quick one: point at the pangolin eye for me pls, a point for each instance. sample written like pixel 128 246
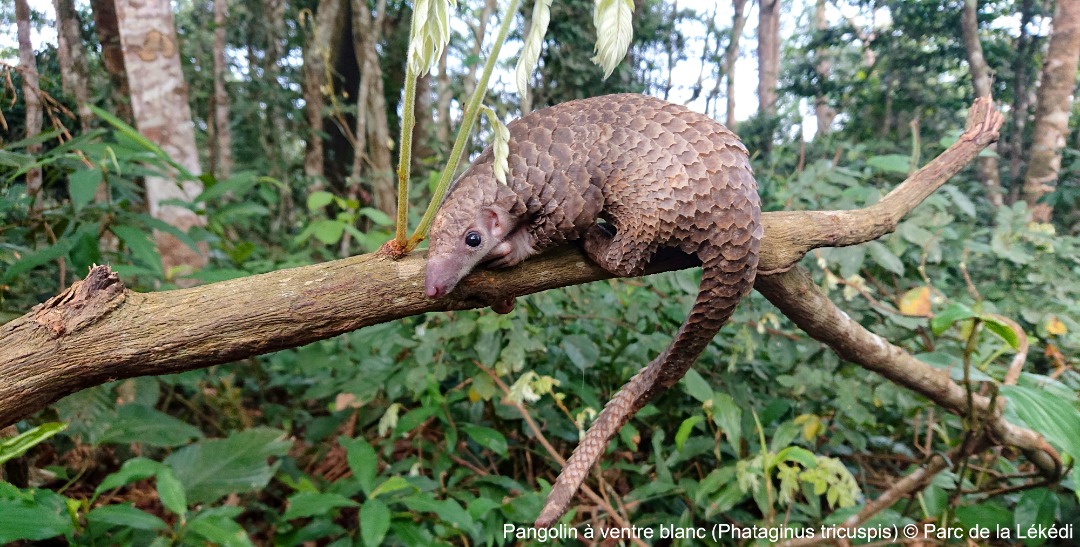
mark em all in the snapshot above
pixel 472 239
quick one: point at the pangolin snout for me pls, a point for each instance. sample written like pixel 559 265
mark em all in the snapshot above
pixel 439 278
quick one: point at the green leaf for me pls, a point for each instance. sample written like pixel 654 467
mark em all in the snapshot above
pixel 82 186
pixel 141 424
pixel 135 469
pixel 696 386
pixel 213 468
pixel 318 200
pixel 885 258
pixel 24 519
pixel 141 245
pixel 448 510
pixel 363 462
pixel 126 516
pixel 392 484
pixel 685 429
pixel 236 184
pixel 1041 410
pixel 728 416
pixel 950 315
pixel 309 504
pixel 962 202
pixel 18 445
pixel 219 529
pixel 170 491
pixel 581 350
pixel 890 163
pixel 374 522
pixel 376 216
pixel 487 438
pixel 1003 330
pixel 799 455
pixel 328 231
pixel 1036 507
pixel 37 258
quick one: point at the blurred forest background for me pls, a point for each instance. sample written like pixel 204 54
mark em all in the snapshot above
pixel 191 142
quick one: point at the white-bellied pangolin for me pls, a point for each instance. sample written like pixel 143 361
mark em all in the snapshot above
pixel 660 175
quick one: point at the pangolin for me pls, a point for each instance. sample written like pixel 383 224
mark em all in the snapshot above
pixel 627 175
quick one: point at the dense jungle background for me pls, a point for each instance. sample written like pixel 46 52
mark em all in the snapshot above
pixel 185 143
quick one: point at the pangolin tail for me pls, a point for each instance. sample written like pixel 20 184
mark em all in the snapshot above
pixel 723 284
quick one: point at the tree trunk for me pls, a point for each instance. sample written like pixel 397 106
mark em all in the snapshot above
pixel 1020 107
pixel 1053 108
pixel 981 80
pixel 74 69
pixel 768 55
pixel 221 156
pixel 112 57
pixel 731 56
pixel 478 31
pixel 159 101
pixel 29 74
pixel 823 111
pixel 444 95
pixel 318 58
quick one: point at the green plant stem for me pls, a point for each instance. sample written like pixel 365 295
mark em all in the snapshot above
pixel 408 120
pixel 472 111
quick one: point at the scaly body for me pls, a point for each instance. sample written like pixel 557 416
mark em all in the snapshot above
pixel 659 176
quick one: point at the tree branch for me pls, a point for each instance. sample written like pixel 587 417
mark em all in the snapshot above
pixel 98 331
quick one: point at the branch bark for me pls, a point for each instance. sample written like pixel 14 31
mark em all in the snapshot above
pixel 98 331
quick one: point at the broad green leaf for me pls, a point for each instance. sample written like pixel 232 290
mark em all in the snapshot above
pixel 1036 508
pixel 448 510
pixel 318 200
pixel 140 244
pixel 328 231
pixel 237 184
pixel 219 529
pixel 728 416
pixel 211 469
pixel 685 428
pixel 392 484
pixel 885 258
pixel 126 516
pixel 799 455
pixel 24 519
pixel 171 491
pixel 581 350
pixel 947 317
pixel 309 504
pixel 487 438
pixel 374 522
pixel 890 163
pixel 1043 411
pixel 363 461
pixel 135 469
pixel 696 386
pixel 82 185
pixel 376 216
pixel 16 446
pixel 1002 329
pixel 141 424
pixel 37 258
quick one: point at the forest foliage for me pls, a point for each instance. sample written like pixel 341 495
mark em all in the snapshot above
pixel 432 429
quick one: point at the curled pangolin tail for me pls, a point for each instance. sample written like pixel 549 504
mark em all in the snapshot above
pixel 723 284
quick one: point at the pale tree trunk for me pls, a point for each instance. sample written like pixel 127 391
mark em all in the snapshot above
pixel 423 130
pixel 1019 109
pixel 221 156
pixel 372 129
pixel 731 56
pixel 823 111
pixel 112 57
pixel 768 51
pixel 318 57
pixel 29 74
pixel 159 101
pixel 1053 108
pixel 980 79
pixel 74 69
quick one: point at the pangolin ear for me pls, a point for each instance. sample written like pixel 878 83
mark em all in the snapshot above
pixel 497 221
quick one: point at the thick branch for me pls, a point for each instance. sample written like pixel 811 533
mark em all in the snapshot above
pixel 97 331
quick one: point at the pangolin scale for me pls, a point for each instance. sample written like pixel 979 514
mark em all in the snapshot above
pixel 659 176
